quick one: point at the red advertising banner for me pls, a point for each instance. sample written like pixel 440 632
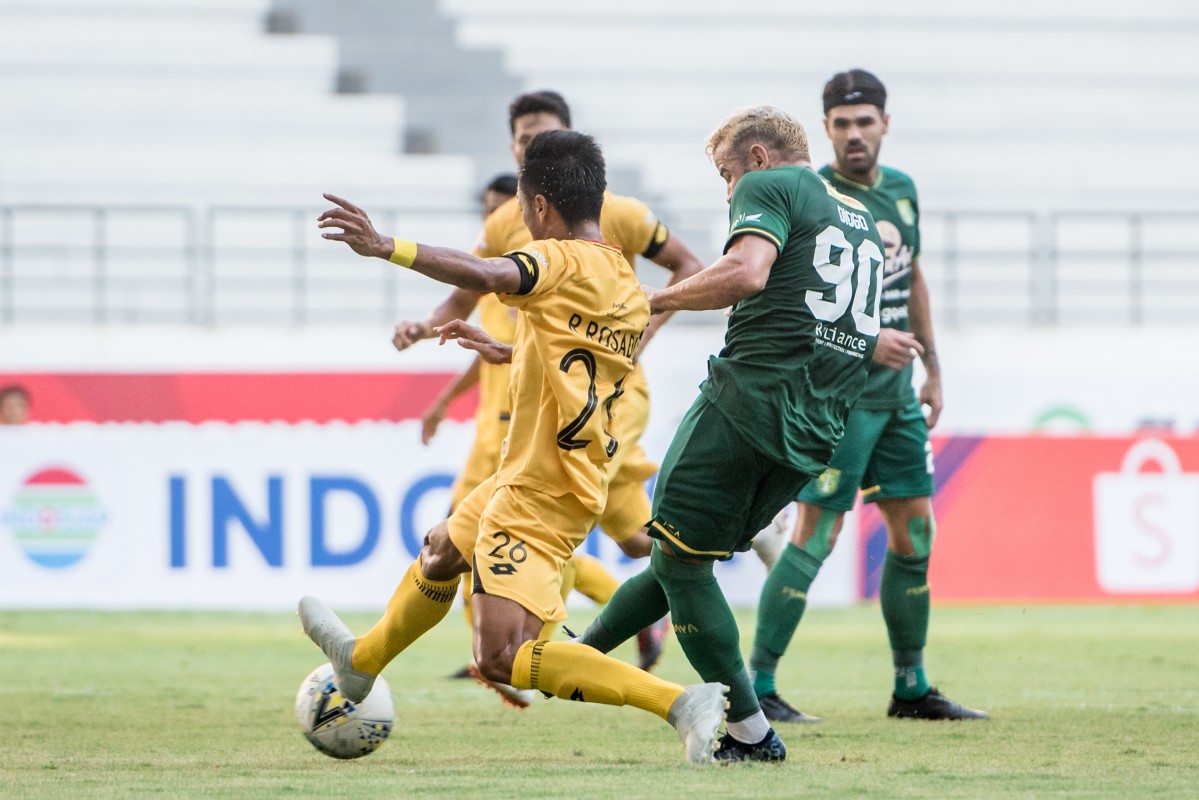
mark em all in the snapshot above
pixel 1046 518
pixel 235 396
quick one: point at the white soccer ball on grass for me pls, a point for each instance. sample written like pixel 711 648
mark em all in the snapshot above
pixel 337 727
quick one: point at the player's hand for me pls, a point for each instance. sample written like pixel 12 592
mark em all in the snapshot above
pixel 429 422
pixel 896 349
pixel 930 395
pixel 409 333
pixel 352 226
pixel 649 294
pixel 473 338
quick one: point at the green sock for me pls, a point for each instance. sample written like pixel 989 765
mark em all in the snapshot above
pixel 910 681
pixel 705 627
pixel 781 607
pixel 904 596
pixel 638 602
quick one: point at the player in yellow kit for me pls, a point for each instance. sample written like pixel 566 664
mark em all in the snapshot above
pixel 582 316
pixel 582 573
pixel 625 222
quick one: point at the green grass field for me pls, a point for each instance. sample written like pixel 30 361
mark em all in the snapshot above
pixel 1086 702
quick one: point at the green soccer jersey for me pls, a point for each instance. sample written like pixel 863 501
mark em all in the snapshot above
pixel 795 354
pixel 892 203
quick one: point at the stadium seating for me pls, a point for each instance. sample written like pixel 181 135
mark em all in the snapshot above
pixel 1011 112
pixel 166 124
pixel 1007 116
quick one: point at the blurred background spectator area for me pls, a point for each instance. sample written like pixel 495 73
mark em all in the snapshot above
pixel 163 162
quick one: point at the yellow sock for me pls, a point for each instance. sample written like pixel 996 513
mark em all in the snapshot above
pixel 592 580
pixel 417 605
pixel 575 671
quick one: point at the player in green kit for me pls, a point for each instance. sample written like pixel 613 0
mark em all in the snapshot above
pixel 885 449
pixel 802 270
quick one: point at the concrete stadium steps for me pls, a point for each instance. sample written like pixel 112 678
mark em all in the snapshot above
pixel 923 13
pixel 667 107
pixel 192 103
pixel 456 98
pixel 164 162
pixel 1002 172
pixel 177 48
pixel 240 13
pixel 59 116
pixel 1030 104
pixel 707 50
pixel 201 176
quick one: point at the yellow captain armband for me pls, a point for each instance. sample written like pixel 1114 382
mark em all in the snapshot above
pixel 405 253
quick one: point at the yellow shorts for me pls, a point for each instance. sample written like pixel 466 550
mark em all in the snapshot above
pixel 521 540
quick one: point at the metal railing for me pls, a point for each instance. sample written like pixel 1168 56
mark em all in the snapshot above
pixel 223 265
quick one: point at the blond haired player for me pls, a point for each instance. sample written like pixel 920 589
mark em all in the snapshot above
pixel 629 224
pixel 582 315
pixel 801 269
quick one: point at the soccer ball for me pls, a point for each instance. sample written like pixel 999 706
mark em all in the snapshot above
pixel 337 727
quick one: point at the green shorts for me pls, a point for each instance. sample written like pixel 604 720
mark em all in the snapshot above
pixel 715 491
pixel 885 453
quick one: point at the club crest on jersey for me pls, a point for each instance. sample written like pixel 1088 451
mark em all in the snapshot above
pixel 828 481
pixel 907 211
pixel 742 218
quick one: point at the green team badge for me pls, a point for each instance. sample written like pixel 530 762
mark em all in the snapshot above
pixel 828 481
pixel 904 207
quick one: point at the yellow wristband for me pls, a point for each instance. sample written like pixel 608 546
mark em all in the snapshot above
pixel 405 253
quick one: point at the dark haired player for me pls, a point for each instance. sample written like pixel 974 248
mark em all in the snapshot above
pixel 628 224
pixel 582 315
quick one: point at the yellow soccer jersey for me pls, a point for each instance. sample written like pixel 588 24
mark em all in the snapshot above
pixel 624 221
pixel 582 316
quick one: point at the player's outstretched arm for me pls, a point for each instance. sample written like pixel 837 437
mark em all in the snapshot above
pixel 350 224
pixel 472 338
pixel 921 321
pixel 739 273
pixel 682 263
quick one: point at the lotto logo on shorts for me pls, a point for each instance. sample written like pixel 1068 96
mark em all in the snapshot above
pixel 828 481
pixel 502 569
